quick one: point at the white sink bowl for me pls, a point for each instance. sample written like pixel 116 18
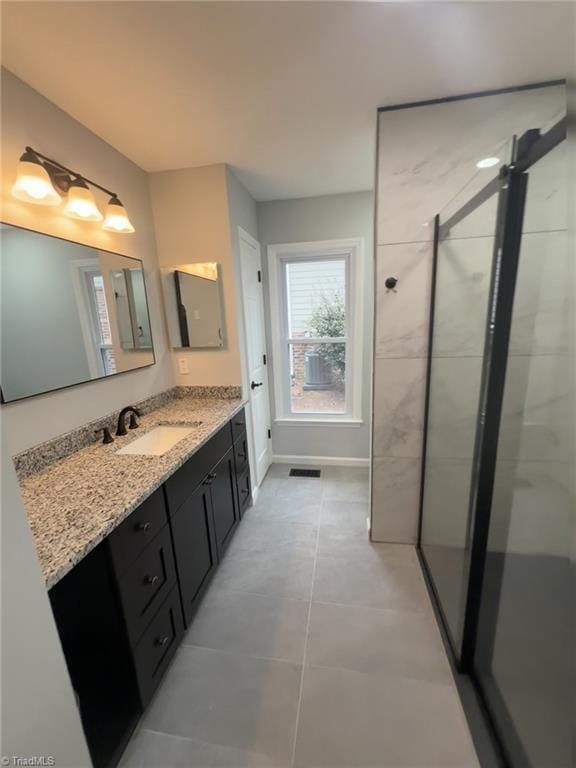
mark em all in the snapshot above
pixel 159 440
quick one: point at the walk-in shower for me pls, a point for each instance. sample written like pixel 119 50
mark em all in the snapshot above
pixel 496 520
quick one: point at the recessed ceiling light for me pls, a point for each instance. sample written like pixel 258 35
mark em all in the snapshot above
pixel 487 162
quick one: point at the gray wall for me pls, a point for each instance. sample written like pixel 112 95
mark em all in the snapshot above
pixel 192 225
pixel 306 220
pixel 39 714
pixel 30 119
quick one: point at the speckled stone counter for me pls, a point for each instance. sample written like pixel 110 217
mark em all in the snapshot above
pixel 74 503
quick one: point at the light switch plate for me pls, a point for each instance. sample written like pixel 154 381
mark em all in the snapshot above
pixel 182 365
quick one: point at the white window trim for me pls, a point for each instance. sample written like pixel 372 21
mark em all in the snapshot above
pixel 353 249
pixel 78 270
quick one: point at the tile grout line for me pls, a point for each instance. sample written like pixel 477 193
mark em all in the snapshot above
pixel 307 636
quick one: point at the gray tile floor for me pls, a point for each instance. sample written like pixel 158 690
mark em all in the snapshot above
pixel 312 647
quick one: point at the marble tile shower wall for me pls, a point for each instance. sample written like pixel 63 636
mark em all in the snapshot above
pixel 400 349
pixel 416 177
pixel 425 157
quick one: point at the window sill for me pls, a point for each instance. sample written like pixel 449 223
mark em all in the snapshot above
pixel 319 422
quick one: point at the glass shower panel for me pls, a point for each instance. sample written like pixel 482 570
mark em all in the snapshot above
pixel 464 257
pixel 525 640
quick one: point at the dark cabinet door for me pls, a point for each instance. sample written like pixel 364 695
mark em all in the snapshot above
pixel 194 547
pixel 91 628
pixel 223 487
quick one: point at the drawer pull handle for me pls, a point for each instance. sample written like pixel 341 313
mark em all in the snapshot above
pixel 161 640
pixel 241 455
pixel 210 479
pixel 245 491
pixel 144 527
pixel 240 423
pixel 151 580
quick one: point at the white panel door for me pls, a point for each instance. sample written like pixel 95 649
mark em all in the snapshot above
pixel 256 355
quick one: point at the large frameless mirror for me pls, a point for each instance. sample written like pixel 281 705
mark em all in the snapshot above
pixel 70 313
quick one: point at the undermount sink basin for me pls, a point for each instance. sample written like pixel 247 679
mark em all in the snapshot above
pixel 159 440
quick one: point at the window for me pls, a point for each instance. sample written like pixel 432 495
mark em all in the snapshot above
pixel 101 321
pixel 315 320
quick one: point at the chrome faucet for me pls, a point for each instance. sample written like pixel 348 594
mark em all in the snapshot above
pixel 133 411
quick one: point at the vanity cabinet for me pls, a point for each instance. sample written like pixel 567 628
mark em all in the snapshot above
pixel 241 462
pixel 195 547
pixel 90 623
pixel 244 491
pixel 121 612
pixel 224 500
pixel 184 481
pixel 203 524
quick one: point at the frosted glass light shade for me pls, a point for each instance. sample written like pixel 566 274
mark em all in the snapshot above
pixel 81 203
pixel 116 217
pixel 33 184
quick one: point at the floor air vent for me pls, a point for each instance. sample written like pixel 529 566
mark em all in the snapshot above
pixel 304 473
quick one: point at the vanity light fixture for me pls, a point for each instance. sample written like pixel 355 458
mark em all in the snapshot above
pixel 43 181
pixel 81 203
pixel 33 184
pixel 116 217
pixel 488 162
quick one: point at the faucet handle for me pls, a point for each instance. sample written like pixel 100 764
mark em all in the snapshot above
pixel 106 433
pixel 133 421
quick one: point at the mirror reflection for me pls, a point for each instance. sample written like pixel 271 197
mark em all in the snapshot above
pixel 70 313
pixel 193 306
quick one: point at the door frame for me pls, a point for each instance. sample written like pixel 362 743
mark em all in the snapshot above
pixel 242 325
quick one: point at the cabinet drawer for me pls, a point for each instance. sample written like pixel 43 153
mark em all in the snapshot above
pixel 184 482
pixel 137 531
pixel 244 491
pixel 241 454
pixel 238 424
pixel 145 585
pixel 157 646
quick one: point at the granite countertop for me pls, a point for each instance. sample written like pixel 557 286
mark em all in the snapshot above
pixel 76 502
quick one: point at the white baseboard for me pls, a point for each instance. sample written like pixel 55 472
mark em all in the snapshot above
pixel 321 461
pixel 255 492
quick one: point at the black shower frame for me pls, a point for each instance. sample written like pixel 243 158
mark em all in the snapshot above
pixel 511 186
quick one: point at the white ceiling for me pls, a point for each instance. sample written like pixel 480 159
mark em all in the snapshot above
pixel 285 92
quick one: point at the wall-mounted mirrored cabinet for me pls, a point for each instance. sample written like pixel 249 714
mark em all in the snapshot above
pixel 193 305
pixel 70 313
